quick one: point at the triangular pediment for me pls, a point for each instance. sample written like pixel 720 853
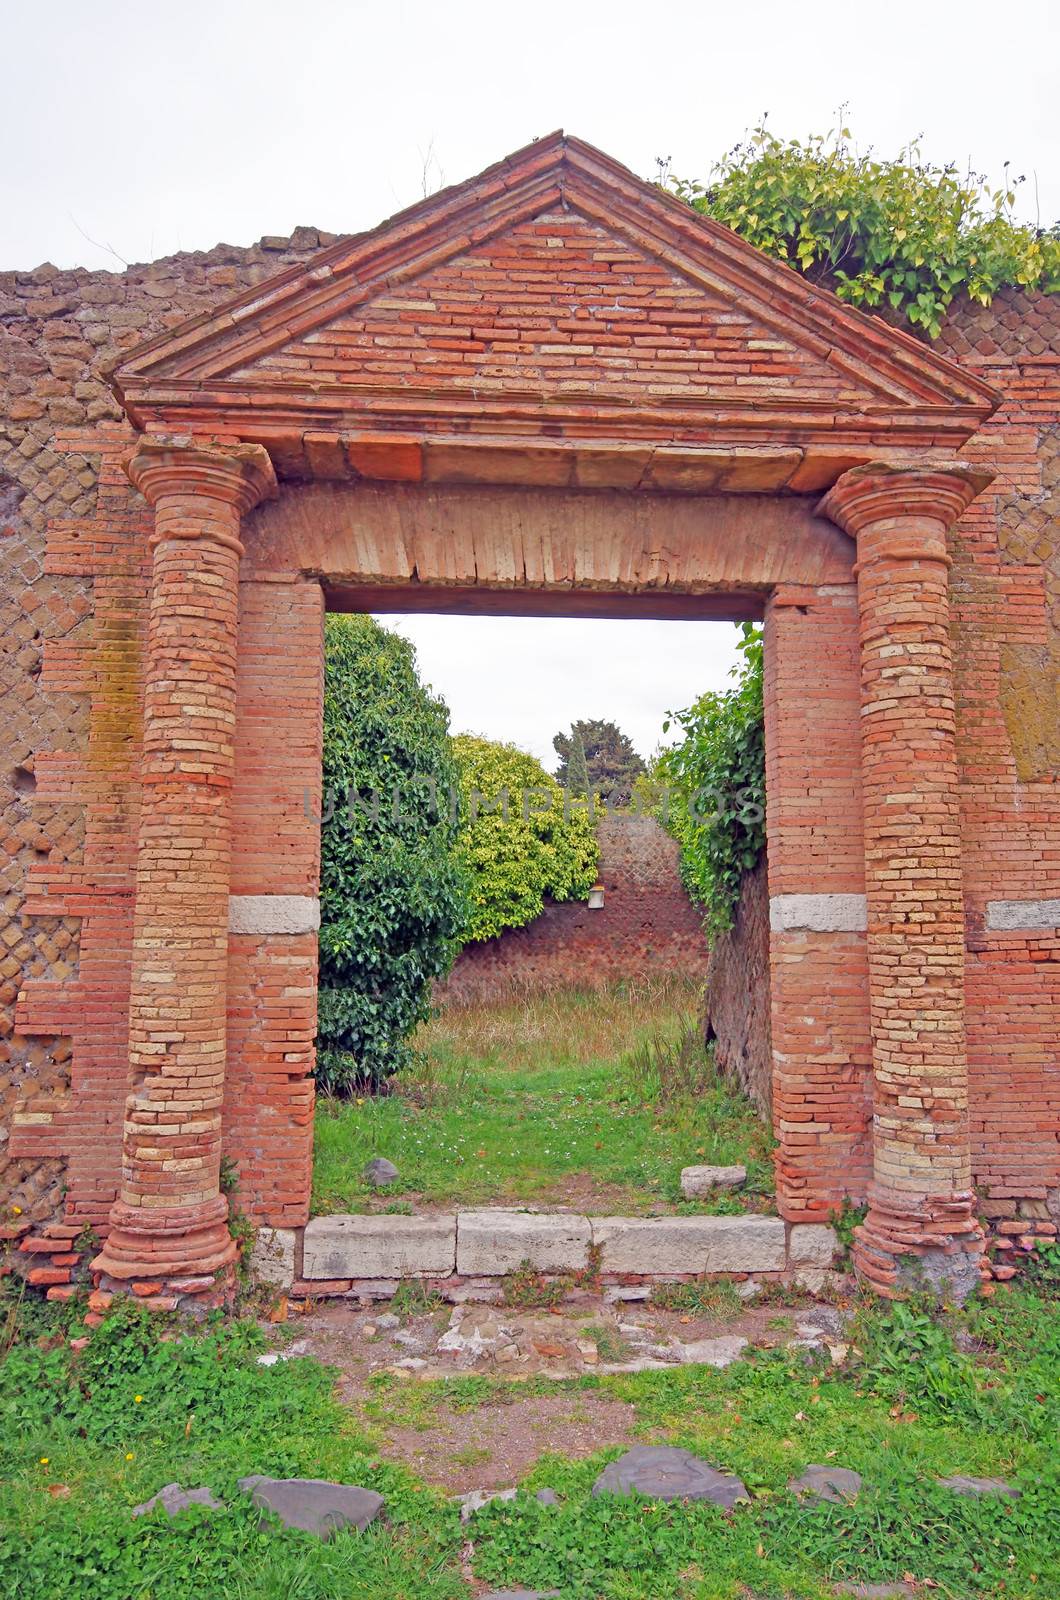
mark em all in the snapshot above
pixel 554 296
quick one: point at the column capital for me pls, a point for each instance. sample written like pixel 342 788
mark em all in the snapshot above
pixel 239 475
pixel 882 492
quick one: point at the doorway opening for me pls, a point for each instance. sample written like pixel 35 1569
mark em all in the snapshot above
pixel 558 1061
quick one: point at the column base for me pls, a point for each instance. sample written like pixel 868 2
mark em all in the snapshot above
pixel 913 1242
pixel 168 1246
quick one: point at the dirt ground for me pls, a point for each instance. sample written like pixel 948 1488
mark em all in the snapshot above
pixel 461 1447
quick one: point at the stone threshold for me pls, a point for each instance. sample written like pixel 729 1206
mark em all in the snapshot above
pixel 348 1253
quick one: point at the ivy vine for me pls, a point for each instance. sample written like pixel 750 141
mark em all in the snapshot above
pixel 902 234
pixel 711 787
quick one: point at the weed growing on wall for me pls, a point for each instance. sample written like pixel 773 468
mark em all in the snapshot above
pixel 715 784
pixel 903 234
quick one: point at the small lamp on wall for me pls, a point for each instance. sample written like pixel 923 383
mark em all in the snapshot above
pixel 596 897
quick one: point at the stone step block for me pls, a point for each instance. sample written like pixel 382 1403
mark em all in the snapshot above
pixel 379 1247
pixel 690 1244
pixel 495 1241
pixel 813 1244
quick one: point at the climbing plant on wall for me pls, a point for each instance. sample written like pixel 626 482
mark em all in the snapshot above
pixel 711 787
pixel 519 839
pixel 901 234
pixel 393 891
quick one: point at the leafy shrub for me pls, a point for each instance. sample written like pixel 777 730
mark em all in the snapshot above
pixel 903 234
pixel 393 894
pixel 518 841
pixel 716 785
pixel 1041 1271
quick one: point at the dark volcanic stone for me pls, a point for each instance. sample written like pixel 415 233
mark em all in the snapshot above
pixel 313 1504
pixel 172 1498
pixel 661 1472
pixel 381 1173
pixel 837 1484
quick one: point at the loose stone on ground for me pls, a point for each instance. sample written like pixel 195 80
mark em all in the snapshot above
pixel 314 1504
pixel 835 1484
pixel 979 1486
pixel 662 1472
pixel 381 1173
pixel 477 1498
pixel 172 1498
pixel 698 1181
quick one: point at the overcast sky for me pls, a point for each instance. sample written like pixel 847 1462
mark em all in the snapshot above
pixel 151 129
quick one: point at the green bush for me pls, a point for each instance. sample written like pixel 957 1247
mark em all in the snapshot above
pixel 714 787
pixel 518 841
pixel 393 893
pixel 901 234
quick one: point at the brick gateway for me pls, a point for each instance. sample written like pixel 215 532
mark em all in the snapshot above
pixel 554 390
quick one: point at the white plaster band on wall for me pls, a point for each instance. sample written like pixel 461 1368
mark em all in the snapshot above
pixel 1018 916
pixel 273 913
pixel 818 913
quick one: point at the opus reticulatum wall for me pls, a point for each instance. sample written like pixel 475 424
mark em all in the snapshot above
pixel 646 929
pixel 552 390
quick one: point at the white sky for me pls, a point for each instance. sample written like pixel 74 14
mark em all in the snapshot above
pixel 152 129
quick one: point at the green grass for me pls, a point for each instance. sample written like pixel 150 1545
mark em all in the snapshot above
pixel 78 1449
pixel 547 1100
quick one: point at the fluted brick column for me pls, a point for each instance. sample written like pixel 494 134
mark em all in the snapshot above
pixel 169 1222
pixel 921 1224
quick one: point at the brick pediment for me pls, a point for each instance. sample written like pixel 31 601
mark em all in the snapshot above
pixel 555 298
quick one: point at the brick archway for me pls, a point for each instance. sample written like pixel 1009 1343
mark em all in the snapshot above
pixel 551 390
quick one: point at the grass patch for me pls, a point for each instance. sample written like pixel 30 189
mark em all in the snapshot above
pixel 84 1438
pixel 599 1097
pixel 704 1297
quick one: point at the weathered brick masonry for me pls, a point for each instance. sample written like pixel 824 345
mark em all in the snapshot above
pixel 646 928
pixel 550 390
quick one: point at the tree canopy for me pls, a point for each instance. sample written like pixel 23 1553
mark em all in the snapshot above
pixel 597 758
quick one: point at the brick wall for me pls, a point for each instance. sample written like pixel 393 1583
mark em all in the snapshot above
pixel 1005 589
pixel 72 587
pixel 72 565
pixel 646 928
pixel 1006 602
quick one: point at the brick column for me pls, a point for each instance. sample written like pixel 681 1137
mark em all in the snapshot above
pixel 921 1225
pixel 168 1225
